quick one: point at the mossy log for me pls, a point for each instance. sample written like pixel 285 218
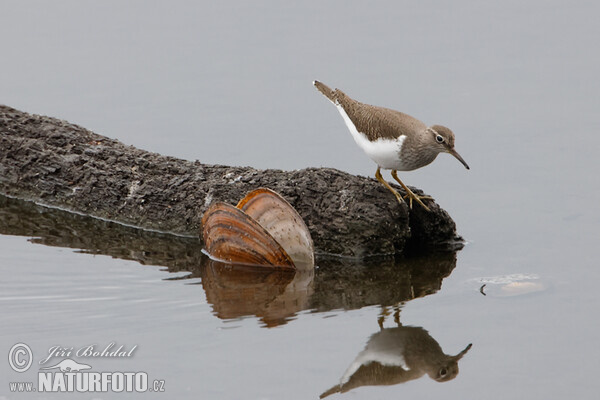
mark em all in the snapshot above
pixel 59 164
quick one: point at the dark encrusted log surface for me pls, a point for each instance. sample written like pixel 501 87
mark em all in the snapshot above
pixel 60 164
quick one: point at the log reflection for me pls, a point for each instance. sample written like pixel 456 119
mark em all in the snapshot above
pixel 236 292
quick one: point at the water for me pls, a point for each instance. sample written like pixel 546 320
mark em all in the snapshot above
pixel 230 83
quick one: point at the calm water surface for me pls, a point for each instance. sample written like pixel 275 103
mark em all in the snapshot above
pixel 229 83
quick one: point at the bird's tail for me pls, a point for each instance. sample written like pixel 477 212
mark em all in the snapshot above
pixel 326 90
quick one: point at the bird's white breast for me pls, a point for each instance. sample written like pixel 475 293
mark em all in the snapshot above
pixel 385 152
pixel 388 357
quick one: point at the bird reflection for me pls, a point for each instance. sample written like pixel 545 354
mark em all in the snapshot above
pixel 397 355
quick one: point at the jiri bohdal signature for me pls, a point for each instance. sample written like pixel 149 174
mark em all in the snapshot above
pixel 91 351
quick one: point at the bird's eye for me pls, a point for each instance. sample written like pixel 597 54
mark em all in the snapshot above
pixel 439 139
pixel 443 372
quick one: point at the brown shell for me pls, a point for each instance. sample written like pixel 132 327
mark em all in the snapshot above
pixel 231 235
pixel 283 222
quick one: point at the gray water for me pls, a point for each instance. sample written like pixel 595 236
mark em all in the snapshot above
pixel 230 83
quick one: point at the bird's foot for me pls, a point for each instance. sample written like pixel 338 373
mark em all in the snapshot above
pixel 409 193
pixel 410 196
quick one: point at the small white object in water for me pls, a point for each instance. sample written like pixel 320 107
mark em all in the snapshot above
pixel 509 285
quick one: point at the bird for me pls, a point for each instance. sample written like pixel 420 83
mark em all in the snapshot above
pixel 394 140
pixel 398 355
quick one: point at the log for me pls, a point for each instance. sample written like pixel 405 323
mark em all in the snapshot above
pixel 59 164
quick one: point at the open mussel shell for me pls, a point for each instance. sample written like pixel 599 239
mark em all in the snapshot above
pixel 283 222
pixel 263 230
pixel 231 235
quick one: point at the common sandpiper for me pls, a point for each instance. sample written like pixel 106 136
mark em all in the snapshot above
pixel 392 139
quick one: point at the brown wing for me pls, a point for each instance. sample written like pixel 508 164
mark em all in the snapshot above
pixel 378 122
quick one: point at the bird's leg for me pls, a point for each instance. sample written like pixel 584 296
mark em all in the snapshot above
pixel 385 311
pixel 397 315
pixel 409 192
pixel 387 185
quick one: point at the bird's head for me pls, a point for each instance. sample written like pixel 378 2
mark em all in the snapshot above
pixel 442 139
pixel 448 368
pixel 446 372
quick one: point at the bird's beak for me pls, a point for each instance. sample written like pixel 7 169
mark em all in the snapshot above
pixel 458 157
pixel 462 353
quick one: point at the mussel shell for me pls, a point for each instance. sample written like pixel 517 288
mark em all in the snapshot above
pixel 283 222
pixel 231 235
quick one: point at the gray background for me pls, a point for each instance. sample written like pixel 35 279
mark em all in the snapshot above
pixel 230 83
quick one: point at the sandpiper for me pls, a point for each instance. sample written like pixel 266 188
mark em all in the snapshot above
pixel 392 139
